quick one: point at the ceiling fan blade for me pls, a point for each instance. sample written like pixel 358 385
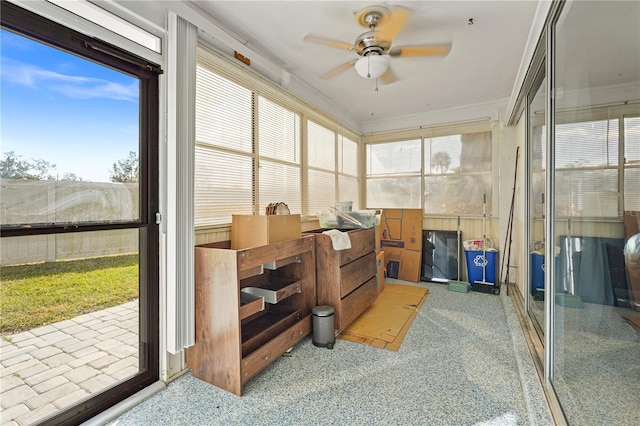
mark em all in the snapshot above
pixel 328 42
pixel 337 70
pixel 394 21
pixel 427 50
pixel 387 77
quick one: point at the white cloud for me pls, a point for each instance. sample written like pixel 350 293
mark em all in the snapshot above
pixel 76 87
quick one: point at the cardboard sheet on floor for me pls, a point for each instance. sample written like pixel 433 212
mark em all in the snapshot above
pixel 634 321
pixel 385 323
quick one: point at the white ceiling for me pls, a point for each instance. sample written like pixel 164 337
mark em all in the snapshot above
pixel 480 70
pixel 481 67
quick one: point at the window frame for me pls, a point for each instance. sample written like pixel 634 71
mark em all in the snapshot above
pixel 41 29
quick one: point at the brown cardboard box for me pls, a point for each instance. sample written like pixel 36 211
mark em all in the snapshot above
pixel 401 228
pixel 403 264
pixel 259 230
pixel 631 223
pixel 632 264
pixel 380 270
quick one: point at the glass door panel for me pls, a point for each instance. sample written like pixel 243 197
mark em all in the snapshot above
pixel 78 253
pixel 595 346
pixel 537 167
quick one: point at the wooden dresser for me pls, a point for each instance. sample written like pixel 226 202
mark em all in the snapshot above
pixel 251 306
pixel 346 279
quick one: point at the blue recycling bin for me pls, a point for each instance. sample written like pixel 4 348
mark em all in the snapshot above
pixel 475 262
pixel 537 272
pixel 536 265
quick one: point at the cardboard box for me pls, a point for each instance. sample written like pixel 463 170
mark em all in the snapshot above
pixel 259 230
pixel 631 223
pixel 380 270
pixel 401 228
pixel 403 264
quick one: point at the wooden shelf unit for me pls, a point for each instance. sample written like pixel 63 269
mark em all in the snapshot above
pixel 251 305
pixel 346 279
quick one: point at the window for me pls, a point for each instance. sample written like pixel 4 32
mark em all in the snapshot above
pixel 279 136
pixel 393 174
pixel 321 158
pixel 457 173
pixel 224 162
pixel 348 171
pixel 631 164
pixel 250 140
pixel 588 167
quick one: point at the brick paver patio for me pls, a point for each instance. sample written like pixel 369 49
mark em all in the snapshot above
pixel 51 367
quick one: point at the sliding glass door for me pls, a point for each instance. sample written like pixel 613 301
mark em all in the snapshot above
pixel 597 85
pixel 79 246
pixel 583 198
pixel 536 167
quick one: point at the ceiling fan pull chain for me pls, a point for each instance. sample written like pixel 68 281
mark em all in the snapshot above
pixel 369 69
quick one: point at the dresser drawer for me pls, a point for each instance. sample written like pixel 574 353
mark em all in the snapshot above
pixel 363 241
pixel 354 274
pixel 356 303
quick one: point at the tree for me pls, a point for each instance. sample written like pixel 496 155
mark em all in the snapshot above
pixel 13 166
pixel 127 170
pixel 441 160
pixel 67 176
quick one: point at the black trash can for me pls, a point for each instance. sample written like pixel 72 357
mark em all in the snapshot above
pixel 323 332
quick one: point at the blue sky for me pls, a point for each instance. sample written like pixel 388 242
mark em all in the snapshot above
pixel 71 112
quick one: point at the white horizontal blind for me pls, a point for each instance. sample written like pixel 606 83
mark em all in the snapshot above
pixel 224 113
pixel 348 182
pixel 632 163
pixel 279 145
pixel 321 161
pixel 347 156
pixel 224 162
pixel 223 185
pixel 321 146
pixel 280 182
pixel 249 143
pixel 321 190
pixel 586 178
pixel 278 132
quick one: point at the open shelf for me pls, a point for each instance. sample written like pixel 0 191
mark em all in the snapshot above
pixel 276 290
pixel 250 304
pixel 267 325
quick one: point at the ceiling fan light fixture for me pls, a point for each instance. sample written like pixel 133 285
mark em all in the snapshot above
pixel 372 66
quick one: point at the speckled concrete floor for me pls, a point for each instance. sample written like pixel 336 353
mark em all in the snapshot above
pixel 463 362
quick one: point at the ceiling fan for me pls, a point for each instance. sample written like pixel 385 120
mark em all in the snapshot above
pixel 374 46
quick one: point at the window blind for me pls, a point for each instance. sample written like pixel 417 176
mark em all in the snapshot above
pixel 631 164
pixel 180 322
pixel 250 140
pixel 321 147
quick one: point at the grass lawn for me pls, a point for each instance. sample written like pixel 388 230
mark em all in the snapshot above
pixel 39 294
